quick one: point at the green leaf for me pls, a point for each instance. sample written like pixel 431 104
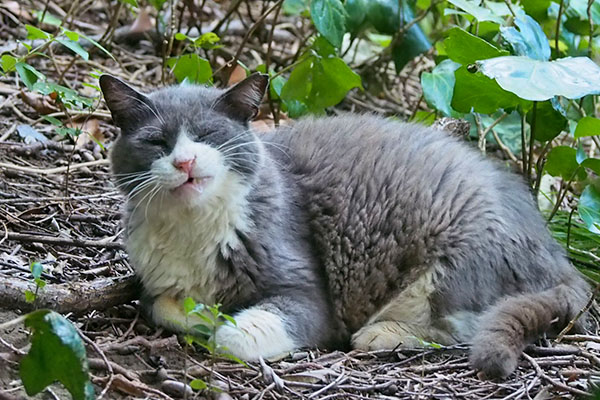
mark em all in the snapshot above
pixel 8 62
pixel 548 122
pixel 28 74
pixel 413 43
pixel 57 354
pixel 230 319
pixel 384 15
pixel 39 283
pixel 538 9
pixel 465 48
pixel 36 269
pixel 529 40
pixel 356 11
pixel 49 18
pixel 562 161
pixel 332 79
pixel 66 95
pixel 191 67
pixel 329 17
pixel 542 80
pixel 593 164
pixel 438 86
pixel 75 48
pixel 587 126
pixel 198 384
pixel 294 7
pixel 29 296
pixel 202 330
pixel 74 36
pixel 484 95
pixel 98 45
pixel 188 305
pixel 207 41
pixel 480 13
pixel 34 33
pixel 589 208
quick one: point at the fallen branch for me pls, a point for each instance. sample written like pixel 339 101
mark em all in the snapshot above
pixel 75 297
pixel 24 237
pixel 50 171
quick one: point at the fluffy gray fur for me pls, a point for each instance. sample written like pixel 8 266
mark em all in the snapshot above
pixel 348 212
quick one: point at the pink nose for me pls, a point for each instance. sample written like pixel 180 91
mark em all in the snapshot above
pixel 184 165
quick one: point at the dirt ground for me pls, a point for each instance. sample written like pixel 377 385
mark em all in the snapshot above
pixel 58 206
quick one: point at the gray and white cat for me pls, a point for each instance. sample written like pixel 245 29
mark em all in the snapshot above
pixel 335 231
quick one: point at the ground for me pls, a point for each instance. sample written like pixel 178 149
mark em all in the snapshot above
pixel 58 206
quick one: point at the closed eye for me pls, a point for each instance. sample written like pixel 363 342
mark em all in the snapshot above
pixel 157 141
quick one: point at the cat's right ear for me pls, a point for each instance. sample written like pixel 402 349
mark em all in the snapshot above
pixel 127 106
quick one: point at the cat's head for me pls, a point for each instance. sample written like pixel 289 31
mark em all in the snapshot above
pixel 185 143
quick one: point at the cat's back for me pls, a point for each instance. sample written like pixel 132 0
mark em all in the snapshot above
pixel 387 200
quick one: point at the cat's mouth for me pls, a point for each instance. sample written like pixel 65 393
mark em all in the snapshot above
pixel 195 183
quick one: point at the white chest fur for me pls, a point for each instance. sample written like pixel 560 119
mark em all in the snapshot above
pixel 174 248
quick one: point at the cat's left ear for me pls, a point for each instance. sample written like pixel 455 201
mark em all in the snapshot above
pixel 242 101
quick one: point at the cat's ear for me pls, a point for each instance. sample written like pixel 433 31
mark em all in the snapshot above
pixel 242 101
pixel 127 106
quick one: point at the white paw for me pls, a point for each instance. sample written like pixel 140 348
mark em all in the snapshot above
pixel 258 333
pixel 386 335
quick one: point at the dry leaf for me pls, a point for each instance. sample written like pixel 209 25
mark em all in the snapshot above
pixel 90 131
pixel 41 104
pixel 143 22
pixel 237 75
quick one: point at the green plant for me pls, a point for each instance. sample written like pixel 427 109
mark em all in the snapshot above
pixel 57 353
pixel 204 335
pixel 36 272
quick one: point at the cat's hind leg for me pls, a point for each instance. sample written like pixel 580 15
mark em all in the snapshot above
pixel 406 321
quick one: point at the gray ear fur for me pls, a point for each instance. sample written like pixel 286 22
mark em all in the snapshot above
pixel 127 105
pixel 242 101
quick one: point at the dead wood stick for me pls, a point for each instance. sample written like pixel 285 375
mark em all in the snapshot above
pixel 57 170
pixel 540 372
pixel 75 297
pixel 24 237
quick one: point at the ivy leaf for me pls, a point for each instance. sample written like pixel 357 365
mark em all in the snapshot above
pixel 294 7
pixel 356 11
pixel 548 122
pixel 317 83
pixel 413 43
pixel 589 208
pixel 74 47
pixel 529 40
pixel 465 48
pixel 482 94
pixel 480 13
pixel 190 67
pixel 57 354
pixel 329 17
pixel 384 15
pixel 587 126
pixel 562 161
pixel 438 86
pixel 571 77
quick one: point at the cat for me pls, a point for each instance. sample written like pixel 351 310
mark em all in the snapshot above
pixel 353 230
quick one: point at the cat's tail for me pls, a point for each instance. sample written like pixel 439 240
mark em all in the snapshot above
pixel 512 323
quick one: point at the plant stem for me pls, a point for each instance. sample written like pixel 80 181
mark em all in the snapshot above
pixel 560 12
pixel 523 143
pixel 531 140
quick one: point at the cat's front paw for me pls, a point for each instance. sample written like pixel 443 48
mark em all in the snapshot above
pixel 385 335
pixel 259 333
